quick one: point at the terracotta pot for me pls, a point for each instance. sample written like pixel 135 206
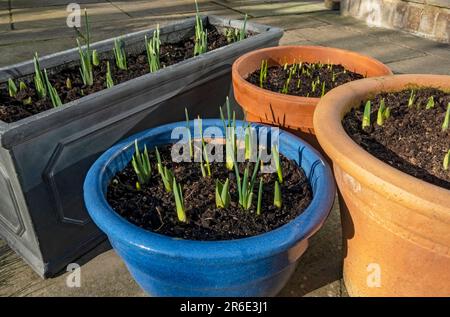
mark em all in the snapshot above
pixel 393 224
pixel 291 112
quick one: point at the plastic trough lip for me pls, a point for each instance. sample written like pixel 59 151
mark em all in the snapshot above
pixel 270 243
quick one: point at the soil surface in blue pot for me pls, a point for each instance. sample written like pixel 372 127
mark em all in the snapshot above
pixel 152 207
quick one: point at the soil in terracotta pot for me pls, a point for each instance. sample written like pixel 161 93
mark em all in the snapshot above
pixel 14 109
pixel 308 79
pixel 411 139
pixel 152 208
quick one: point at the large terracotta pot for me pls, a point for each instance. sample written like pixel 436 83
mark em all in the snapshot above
pixel 292 112
pixel 396 228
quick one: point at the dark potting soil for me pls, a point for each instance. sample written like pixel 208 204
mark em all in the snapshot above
pixel 301 83
pixel 152 208
pixel 411 139
pixel 14 109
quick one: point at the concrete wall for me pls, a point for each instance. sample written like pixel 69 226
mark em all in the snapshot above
pixel 427 18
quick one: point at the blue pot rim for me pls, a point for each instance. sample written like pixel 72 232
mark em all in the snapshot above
pixel 270 243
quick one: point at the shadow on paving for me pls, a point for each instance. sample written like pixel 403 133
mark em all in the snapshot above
pixel 319 271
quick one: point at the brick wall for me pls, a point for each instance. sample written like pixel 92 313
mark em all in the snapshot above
pixel 427 18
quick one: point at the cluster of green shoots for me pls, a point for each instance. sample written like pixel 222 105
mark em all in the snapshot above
pixel 445 125
pixel 412 100
pixel 384 113
pixel 230 138
pixel 235 35
pixel 54 97
pixel 86 60
pixel 43 86
pixel 120 54
pixel 245 183
pixel 205 167
pixel 315 84
pixel 39 83
pixel 12 90
pixel 298 69
pixel 263 73
pixel 201 35
pixel 89 59
pixel 291 72
pixel 153 50
pixel 143 170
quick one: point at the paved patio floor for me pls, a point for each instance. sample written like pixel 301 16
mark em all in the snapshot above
pixel 27 26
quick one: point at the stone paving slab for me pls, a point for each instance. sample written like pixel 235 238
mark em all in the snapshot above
pixel 383 35
pixel 279 8
pixel 100 29
pixel 235 3
pixel 4 25
pixel 408 40
pixel 334 289
pixel 20 4
pixel 390 46
pixel 333 17
pixel 106 275
pixel 422 65
pixel 349 39
pixel 173 7
pixel 24 51
pixel 4 5
pixel 4 13
pixel 47 39
pixel 292 38
pixel 291 22
pixel 29 18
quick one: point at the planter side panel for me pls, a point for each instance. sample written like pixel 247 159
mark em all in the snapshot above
pixel 15 224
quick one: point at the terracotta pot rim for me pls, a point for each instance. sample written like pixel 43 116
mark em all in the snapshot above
pixel 291 98
pixel 363 166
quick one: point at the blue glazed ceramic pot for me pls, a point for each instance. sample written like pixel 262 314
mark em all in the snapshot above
pixel 167 266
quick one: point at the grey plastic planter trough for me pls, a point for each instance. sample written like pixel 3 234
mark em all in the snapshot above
pixel 44 158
